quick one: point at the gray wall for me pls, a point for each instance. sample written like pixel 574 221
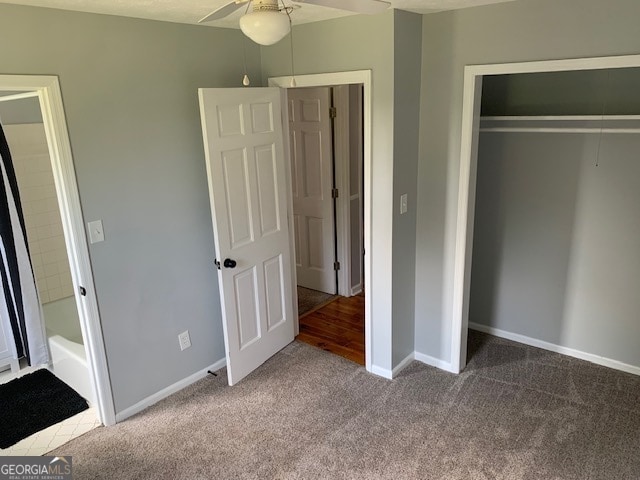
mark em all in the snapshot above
pixel 406 119
pixel 589 92
pixel 509 32
pixel 358 43
pixel 556 240
pixel 130 94
pixel 18 112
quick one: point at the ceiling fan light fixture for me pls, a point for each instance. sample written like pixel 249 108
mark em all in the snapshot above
pixel 265 27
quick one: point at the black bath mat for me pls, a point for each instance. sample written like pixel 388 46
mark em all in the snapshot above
pixel 34 402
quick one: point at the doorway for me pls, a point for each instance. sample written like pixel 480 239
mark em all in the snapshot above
pixel 45 92
pixel 467 188
pixel 326 132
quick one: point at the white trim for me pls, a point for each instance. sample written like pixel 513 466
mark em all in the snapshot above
pixel 342 139
pixel 18 96
pixel 561 118
pixel 464 221
pixel 434 362
pixel 340 78
pixel 284 112
pixel 48 91
pixel 558 130
pixel 170 390
pixel 381 372
pixel 466 181
pixel 356 290
pixel 562 124
pixel 419 357
pixel 552 347
pixel 571 64
pixel 403 364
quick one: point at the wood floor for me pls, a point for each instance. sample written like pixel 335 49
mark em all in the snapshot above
pixel 337 328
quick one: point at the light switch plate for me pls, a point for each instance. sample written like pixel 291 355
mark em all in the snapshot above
pixel 96 232
pixel 403 204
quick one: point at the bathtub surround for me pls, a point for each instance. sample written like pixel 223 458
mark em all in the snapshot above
pixel 66 346
pixel 45 236
pixel 19 306
pixel 34 402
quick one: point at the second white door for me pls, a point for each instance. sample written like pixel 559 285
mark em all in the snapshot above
pixel 311 140
pixel 243 139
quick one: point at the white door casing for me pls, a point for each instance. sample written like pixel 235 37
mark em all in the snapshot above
pixel 310 132
pixel 243 141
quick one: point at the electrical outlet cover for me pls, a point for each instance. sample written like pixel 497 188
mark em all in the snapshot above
pixel 184 340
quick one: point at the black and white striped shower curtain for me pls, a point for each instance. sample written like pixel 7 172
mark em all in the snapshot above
pixel 19 304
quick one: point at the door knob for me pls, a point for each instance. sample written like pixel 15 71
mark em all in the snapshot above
pixel 229 263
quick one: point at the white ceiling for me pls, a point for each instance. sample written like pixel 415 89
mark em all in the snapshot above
pixel 190 11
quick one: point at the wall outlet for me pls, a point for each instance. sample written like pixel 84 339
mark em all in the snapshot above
pixel 185 340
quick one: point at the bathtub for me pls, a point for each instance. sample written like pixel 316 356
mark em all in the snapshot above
pixel 68 356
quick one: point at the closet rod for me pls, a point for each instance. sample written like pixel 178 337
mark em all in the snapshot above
pixel 18 96
pixel 551 118
pixel 558 130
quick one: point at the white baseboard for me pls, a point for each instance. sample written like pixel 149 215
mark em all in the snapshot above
pixel 402 365
pixel 356 290
pixel 381 372
pixel 589 357
pixel 165 392
pixel 420 357
pixel 434 362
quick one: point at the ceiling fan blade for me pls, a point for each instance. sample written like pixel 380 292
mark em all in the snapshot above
pixel 368 7
pixel 223 11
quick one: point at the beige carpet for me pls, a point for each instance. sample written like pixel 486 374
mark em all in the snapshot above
pixel 310 300
pixel 517 413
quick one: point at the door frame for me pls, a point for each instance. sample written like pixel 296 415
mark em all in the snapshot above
pixel 360 77
pixel 343 136
pixel 463 240
pixel 47 89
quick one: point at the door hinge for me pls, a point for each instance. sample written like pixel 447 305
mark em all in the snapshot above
pixel 333 112
pixel 334 193
pixel 336 265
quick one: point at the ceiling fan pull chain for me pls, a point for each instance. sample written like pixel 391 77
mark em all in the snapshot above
pixel 293 73
pixel 245 79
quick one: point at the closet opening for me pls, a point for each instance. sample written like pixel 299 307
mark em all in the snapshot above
pixel 546 237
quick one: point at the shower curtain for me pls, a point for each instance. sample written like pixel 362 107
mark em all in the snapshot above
pixel 19 304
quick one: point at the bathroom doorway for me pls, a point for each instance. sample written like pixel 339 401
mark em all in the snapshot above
pixel 34 124
pixel 23 128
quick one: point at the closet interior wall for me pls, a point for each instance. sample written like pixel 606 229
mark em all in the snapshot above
pixel 556 248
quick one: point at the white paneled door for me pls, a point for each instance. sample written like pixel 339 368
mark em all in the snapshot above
pixel 312 172
pixel 243 141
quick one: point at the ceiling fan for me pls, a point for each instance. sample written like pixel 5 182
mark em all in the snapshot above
pixel 268 22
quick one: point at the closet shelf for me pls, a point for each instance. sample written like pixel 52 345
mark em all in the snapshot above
pixel 550 118
pixel 561 123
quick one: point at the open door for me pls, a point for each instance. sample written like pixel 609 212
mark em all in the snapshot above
pixel 243 139
pixel 310 130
